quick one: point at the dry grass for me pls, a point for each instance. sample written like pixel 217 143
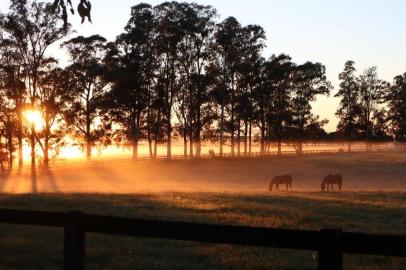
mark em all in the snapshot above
pixel 210 191
pixel 35 248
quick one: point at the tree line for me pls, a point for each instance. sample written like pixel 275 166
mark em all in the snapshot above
pixel 176 71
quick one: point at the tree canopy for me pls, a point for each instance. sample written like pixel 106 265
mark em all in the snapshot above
pixel 176 72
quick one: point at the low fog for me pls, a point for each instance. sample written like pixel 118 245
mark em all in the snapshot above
pixel 361 172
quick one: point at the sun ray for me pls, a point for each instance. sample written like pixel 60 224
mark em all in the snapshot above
pixel 34 118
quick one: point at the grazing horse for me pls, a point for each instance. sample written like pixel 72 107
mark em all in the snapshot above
pixel 331 180
pixel 281 180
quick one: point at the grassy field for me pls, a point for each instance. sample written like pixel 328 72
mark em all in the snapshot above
pixel 211 191
pixel 362 172
pixel 35 248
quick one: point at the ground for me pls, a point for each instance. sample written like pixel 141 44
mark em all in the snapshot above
pixel 366 172
pixel 219 192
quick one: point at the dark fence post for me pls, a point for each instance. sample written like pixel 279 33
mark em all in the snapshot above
pixel 74 245
pixel 330 253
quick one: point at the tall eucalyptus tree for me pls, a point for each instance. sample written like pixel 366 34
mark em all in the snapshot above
pixel 86 85
pixel 32 27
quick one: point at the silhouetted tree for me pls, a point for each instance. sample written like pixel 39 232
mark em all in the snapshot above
pixel 219 94
pixel 370 97
pixel 52 96
pixel 32 27
pixel 309 81
pixel 173 59
pixel 227 45
pixel 131 64
pixel 395 96
pixel 169 34
pixel 194 54
pixel 86 85
pixel 253 42
pixel 349 108
pixel 12 88
pixel 8 123
pixel 274 100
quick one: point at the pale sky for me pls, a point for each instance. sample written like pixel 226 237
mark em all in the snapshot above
pixel 370 32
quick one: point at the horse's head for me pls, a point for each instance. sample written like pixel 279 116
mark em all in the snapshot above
pixel 323 187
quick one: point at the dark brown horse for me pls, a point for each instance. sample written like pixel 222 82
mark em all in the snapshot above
pixel 331 180
pixel 281 180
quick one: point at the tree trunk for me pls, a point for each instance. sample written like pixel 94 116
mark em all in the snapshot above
pixel 149 144
pixel 88 149
pixel 185 146
pixel 239 138
pixel 33 165
pixel 250 139
pixel 279 135
pixel 155 150
pixel 46 141
pixel 232 133
pixel 191 140
pixel 10 149
pixel 135 149
pixel 88 138
pixel 46 153
pixel 300 148
pixel 279 146
pixel 245 138
pixel 349 138
pixel 157 135
pixel 263 138
pixel 221 130
pixel 169 135
pixel 20 139
pixel 198 131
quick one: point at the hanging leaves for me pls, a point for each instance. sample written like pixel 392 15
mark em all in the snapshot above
pixel 84 9
pixel 62 6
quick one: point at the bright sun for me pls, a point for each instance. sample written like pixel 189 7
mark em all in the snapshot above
pixel 34 118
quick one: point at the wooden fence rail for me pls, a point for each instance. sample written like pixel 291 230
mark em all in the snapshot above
pixel 330 244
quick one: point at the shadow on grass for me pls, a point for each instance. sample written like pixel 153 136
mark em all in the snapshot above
pixel 107 252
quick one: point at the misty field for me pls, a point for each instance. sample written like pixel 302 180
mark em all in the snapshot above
pixel 362 172
pixel 209 191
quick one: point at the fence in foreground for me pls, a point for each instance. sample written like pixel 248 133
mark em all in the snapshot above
pixel 330 244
